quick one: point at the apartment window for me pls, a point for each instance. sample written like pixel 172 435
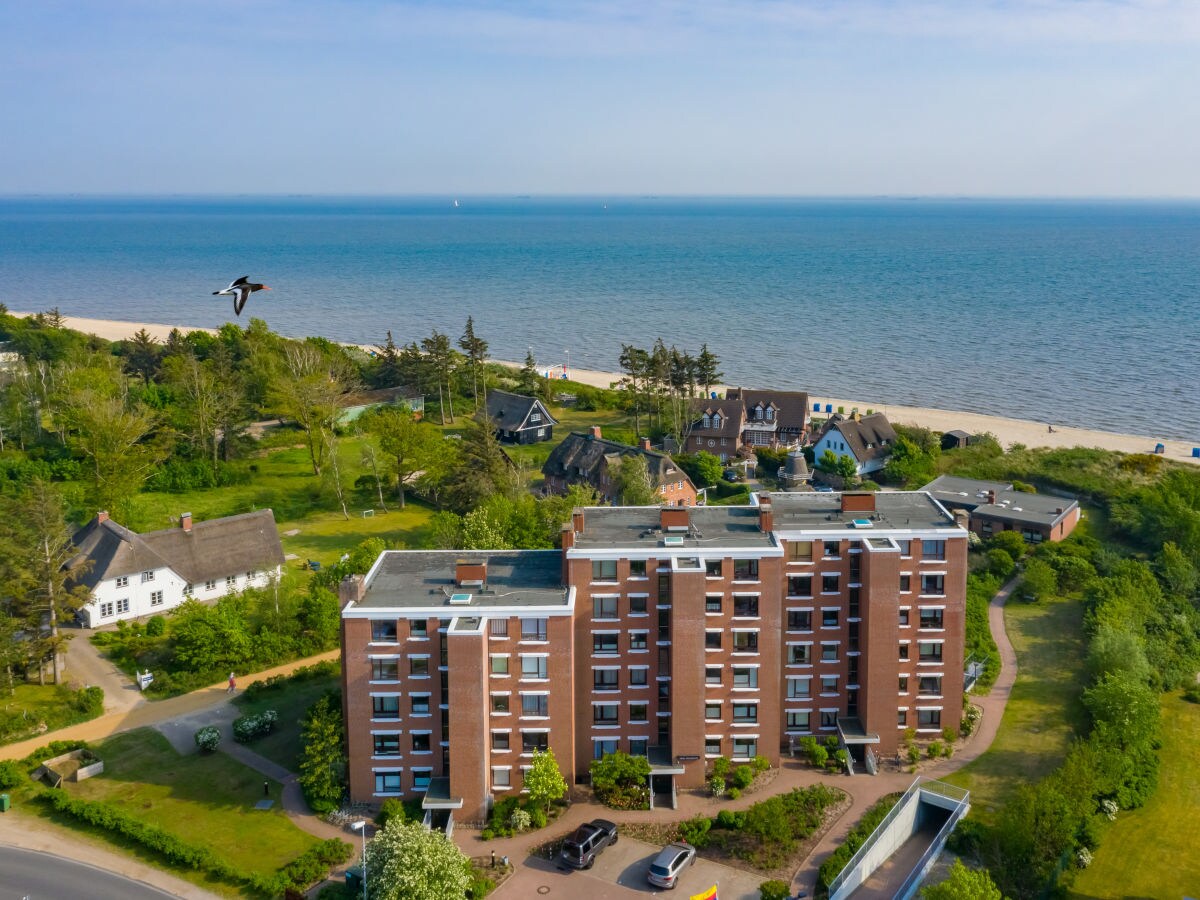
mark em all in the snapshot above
pixel 606 679
pixel 638 677
pixel 534 667
pixel 156 598
pixel 905 548
pixel 385 707
pixel 420 704
pixel 745 712
pixel 904 653
pixel 498 628
pixel 123 605
pixel 712 712
pixel 712 746
pixel 637 606
pixel 387 783
pixel 933 549
pixel 385 670
pixel 122 581
pixel 386 745
pixel 712 640
pixel 829 718
pixel 604 607
pixel 418 628
pixel 831 549
pixel 604 642
pixel 712 603
pixel 500 704
pixel 799 721
pixel 639 640
pixel 639 746
pixel 929 718
pixel 930 685
pixel 902 717
pixel 499 665
pixel 931 618
pixel 799 620
pixel 147 576
pixel 601 749
pixel 604 570
pixel 745 748
pixel 639 712
pixel 829 652
pixel 929 652
pixel 533 629
pixel 745 569
pixel 418 666
pixel 501 777
pixel 420 743
pixel 799 688
pixel 712 675
pixel 745 607
pixel 500 740
pixel 535 705
pixel 712 568
pixel 210 585
pixel 384 631
pixel 799 585
pixel 829 618
pixel 904 612
pixel 933 584
pixel 106 610
pixel 745 677
pixel 230 581
pixel 800 654
pixel 904 684
pixel 745 642
pixel 534 740
pixel 905 584
pixel 637 568
pixel 421 779
pixel 829 584
pixel 604 714
pixel 829 684
pixel 800 550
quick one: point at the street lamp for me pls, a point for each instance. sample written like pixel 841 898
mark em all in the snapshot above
pixel 361 826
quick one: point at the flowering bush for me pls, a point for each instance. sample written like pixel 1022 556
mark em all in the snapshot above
pixel 208 737
pixel 247 728
pixel 1109 808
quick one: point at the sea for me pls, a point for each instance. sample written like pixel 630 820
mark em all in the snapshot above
pixel 1069 312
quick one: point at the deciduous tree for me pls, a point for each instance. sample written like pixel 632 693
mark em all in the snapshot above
pixel 544 780
pixel 323 758
pixel 407 861
pixel 631 481
pixel 409 444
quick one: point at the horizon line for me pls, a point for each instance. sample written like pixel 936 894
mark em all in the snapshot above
pixel 641 196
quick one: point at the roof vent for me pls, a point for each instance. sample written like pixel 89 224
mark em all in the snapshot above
pixel 673 540
pixel 460 599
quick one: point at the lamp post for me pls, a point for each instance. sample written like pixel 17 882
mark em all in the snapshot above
pixel 361 826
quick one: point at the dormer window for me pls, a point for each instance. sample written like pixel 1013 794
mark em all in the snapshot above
pixel 758 412
pixel 716 421
pixel 707 420
pixel 770 414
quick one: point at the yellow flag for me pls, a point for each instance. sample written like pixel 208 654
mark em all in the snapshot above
pixel 710 894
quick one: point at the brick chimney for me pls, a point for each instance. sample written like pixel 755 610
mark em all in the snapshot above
pixel 594 432
pixel 992 498
pixel 102 515
pixel 858 501
pixel 185 522
pixel 766 514
pixel 577 521
pixel 644 443
pixel 352 589
pixel 567 537
pixel 674 518
pixel 470 572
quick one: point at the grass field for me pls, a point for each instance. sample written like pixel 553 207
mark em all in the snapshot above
pixel 1155 851
pixel 31 704
pixel 1044 711
pixel 291 700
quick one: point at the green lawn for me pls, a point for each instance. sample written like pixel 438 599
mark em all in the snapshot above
pixel 291 700
pixel 204 799
pixel 31 704
pixel 1155 851
pixel 1044 711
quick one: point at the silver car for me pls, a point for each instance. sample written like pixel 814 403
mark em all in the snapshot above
pixel 671 861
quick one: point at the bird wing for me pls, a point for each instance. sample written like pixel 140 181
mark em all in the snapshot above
pixel 241 280
pixel 241 295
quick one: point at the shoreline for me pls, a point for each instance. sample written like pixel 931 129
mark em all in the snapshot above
pixel 1007 430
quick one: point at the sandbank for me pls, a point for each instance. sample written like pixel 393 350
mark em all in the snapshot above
pixel 1007 431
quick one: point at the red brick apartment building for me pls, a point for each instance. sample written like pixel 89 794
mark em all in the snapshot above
pixel 680 633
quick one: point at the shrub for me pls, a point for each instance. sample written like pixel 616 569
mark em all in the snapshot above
pixel 721 766
pixel 742 777
pixel 949 735
pixel 934 749
pixel 695 831
pixel 774 890
pixel 207 738
pixel 914 754
pixel 480 886
pixel 247 728
pixel 487 834
pixel 734 793
pixel 392 808
pixel 11 774
pixel 730 820
pixel 1192 694
pixel 519 820
pixel 842 757
pixel 156 626
pixel 760 764
pixel 716 785
pixel 967 838
pixel 537 817
pixel 619 781
pixel 818 755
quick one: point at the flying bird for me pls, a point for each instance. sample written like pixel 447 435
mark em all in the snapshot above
pixel 241 291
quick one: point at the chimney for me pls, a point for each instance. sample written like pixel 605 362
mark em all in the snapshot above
pixel 992 497
pixel 1058 510
pixel 470 573
pixel 568 537
pixel 644 443
pixel 766 514
pixel 674 518
pixel 352 589
pixel 577 521
pixel 102 515
pixel 185 522
pixel 594 432
pixel 858 501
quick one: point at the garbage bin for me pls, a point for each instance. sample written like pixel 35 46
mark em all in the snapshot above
pixel 4 802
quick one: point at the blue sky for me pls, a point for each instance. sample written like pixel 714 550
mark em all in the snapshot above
pixel 858 97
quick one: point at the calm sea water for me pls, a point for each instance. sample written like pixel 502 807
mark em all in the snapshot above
pixel 1069 312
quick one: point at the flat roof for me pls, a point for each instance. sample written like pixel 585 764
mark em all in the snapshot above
pixel 900 510
pixel 1010 506
pixel 637 527
pixel 420 579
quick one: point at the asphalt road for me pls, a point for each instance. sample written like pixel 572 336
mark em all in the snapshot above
pixel 29 875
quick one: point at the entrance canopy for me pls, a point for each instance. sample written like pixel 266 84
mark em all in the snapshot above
pixel 852 731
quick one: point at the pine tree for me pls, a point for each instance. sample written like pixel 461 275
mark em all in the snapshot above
pixel 476 350
pixel 707 373
pixel 387 364
pixel 323 761
pixel 529 380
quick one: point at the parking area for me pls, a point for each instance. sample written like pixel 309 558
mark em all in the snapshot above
pixel 620 874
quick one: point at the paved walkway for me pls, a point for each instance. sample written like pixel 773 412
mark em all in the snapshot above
pixel 86 666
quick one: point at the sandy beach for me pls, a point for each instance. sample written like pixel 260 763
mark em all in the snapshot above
pixel 1008 431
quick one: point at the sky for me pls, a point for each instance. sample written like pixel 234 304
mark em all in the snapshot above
pixel 1064 98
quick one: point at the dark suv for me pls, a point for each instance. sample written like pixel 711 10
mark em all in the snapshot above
pixel 583 846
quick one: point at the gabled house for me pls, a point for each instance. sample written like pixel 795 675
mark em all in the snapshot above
pixel 520 419
pixel 868 440
pixel 748 418
pixel 587 458
pixel 131 575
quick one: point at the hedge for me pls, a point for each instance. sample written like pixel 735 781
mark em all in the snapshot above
pixel 247 728
pixel 326 669
pixel 833 865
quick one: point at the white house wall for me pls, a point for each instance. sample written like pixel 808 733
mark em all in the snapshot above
pixel 140 594
pixel 835 442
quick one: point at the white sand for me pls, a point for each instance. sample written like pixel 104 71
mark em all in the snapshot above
pixel 1008 431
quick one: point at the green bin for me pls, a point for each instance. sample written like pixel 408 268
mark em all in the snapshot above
pixel 4 802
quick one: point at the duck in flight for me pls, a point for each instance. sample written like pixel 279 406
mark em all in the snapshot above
pixel 241 291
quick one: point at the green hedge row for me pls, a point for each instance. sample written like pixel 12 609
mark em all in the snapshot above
pixel 833 865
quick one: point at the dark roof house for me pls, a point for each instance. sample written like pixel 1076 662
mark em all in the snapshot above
pixel 995 506
pixel 867 439
pixel 586 458
pixel 519 419
pixel 746 419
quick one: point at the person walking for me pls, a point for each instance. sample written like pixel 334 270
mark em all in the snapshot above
pixel 232 684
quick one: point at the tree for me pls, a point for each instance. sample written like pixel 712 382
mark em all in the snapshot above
pixel 631 481
pixel 309 390
pixel 1011 542
pixel 323 757
pixel 476 349
pixel 408 443
pixel 387 364
pixel 1117 650
pixel 544 780
pixel 481 470
pixel 1124 710
pixel 1000 563
pixel 963 884
pixel 442 363
pixel 707 373
pixel 407 861
pixel 1032 832
pixel 142 356
pixel 529 380
pixel 635 383
pixel 1040 580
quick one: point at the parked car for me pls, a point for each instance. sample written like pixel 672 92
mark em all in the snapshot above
pixel 671 861
pixel 580 850
pixel 732 475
